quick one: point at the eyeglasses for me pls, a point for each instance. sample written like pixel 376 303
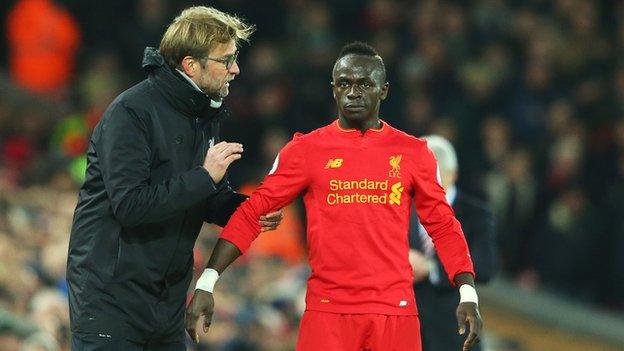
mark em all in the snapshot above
pixel 228 61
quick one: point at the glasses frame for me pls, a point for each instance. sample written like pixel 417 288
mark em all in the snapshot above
pixel 227 61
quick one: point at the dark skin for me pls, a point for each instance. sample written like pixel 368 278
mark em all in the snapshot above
pixel 358 86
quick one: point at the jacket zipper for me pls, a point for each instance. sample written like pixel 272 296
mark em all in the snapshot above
pixel 196 125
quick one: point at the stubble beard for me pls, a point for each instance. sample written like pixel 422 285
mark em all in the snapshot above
pixel 217 93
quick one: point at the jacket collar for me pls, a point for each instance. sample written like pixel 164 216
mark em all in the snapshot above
pixel 355 133
pixel 176 90
pixel 213 103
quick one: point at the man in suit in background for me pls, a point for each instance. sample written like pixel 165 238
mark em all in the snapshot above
pixel 436 298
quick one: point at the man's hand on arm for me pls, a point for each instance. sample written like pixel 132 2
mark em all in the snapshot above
pixel 468 310
pixel 202 303
pixel 271 221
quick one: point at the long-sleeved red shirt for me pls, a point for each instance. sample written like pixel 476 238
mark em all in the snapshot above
pixel 357 190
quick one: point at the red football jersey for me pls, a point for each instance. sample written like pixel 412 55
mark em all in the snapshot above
pixel 357 190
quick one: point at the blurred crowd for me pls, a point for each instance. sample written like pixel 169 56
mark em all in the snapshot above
pixel 530 93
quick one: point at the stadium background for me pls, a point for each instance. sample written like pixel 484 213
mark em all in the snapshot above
pixel 530 92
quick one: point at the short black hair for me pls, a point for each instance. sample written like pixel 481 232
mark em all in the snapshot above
pixel 357 48
pixel 363 49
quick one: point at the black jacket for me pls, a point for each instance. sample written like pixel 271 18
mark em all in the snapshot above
pixel 142 206
pixel 437 302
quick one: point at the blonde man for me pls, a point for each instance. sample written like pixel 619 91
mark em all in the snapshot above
pixel 155 173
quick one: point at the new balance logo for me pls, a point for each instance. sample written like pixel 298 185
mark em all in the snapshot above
pixel 334 163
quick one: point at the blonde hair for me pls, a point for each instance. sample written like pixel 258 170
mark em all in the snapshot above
pixel 197 30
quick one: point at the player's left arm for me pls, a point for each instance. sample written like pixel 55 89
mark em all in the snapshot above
pixel 438 218
pixel 467 312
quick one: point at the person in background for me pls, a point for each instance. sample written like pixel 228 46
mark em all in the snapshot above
pixel 436 298
pixel 43 40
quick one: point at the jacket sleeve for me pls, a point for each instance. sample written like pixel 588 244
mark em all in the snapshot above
pixel 221 206
pixel 438 218
pixel 482 245
pixel 287 179
pixel 481 242
pixel 122 144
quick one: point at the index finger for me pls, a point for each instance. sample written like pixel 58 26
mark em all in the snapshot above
pixel 229 149
pixel 475 330
pixel 220 145
pixel 273 215
pixel 189 324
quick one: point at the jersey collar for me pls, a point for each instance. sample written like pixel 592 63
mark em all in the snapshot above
pixel 352 132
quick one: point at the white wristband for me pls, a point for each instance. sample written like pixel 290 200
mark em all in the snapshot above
pixel 468 294
pixel 207 280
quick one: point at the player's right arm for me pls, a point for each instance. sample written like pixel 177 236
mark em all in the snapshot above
pixel 439 220
pixel 287 179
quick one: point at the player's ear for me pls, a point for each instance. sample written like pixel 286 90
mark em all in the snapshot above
pixel 384 91
pixel 333 85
